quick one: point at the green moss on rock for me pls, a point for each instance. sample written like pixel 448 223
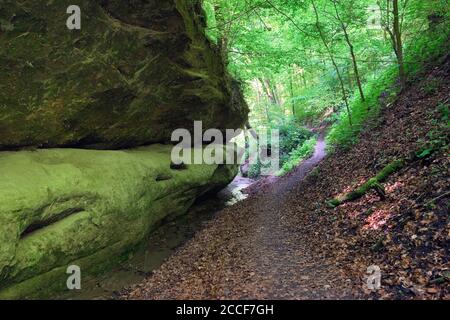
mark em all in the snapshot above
pixel 371 184
pixel 129 77
pixel 60 207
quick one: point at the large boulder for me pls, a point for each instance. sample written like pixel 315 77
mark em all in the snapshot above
pixel 90 208
pixel 135 71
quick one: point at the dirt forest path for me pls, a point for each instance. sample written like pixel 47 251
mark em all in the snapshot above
pixel 256 249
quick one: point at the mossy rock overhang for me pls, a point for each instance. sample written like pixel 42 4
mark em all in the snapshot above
pixel 90 208
pixel 133 73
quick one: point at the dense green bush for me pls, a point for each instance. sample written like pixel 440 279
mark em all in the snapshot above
pixel 298 155
pixel 292 136
pixel 254 171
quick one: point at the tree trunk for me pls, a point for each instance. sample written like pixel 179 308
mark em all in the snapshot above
pixel 272 92
pixel 395 35
pixel 333 61
pixel 266 105
pixel 352 53
pixel 268 90
pixel 398 43
pixel 291 86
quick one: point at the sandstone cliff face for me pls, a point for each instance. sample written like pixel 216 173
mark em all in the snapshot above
pixel 135 71
pixel 90 208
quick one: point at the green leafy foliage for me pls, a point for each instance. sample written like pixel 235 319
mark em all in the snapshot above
pixel 382 90
pixel 254 171
pixel 303 152
pixel 325 61
pixel 292 136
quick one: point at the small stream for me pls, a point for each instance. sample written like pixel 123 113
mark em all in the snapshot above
pixel 160 245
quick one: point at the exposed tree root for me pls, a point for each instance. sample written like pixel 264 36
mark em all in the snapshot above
pixel 372 184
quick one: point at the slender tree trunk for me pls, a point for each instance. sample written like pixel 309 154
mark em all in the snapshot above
pixel 352 53
pixel 398 43
pixel 266 105
pixel 356 70
pixel 267 91
pixel 333 61
pixel 395 35
pixel 274 90
pixel 291 86
pixel 305 84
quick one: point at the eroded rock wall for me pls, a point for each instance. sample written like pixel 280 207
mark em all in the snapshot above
pixel 135 71
pixel 61 207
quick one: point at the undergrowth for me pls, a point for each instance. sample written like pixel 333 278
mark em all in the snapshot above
pixel 303 152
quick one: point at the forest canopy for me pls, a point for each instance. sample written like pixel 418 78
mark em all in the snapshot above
pixel 311 60
pixel 316 63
